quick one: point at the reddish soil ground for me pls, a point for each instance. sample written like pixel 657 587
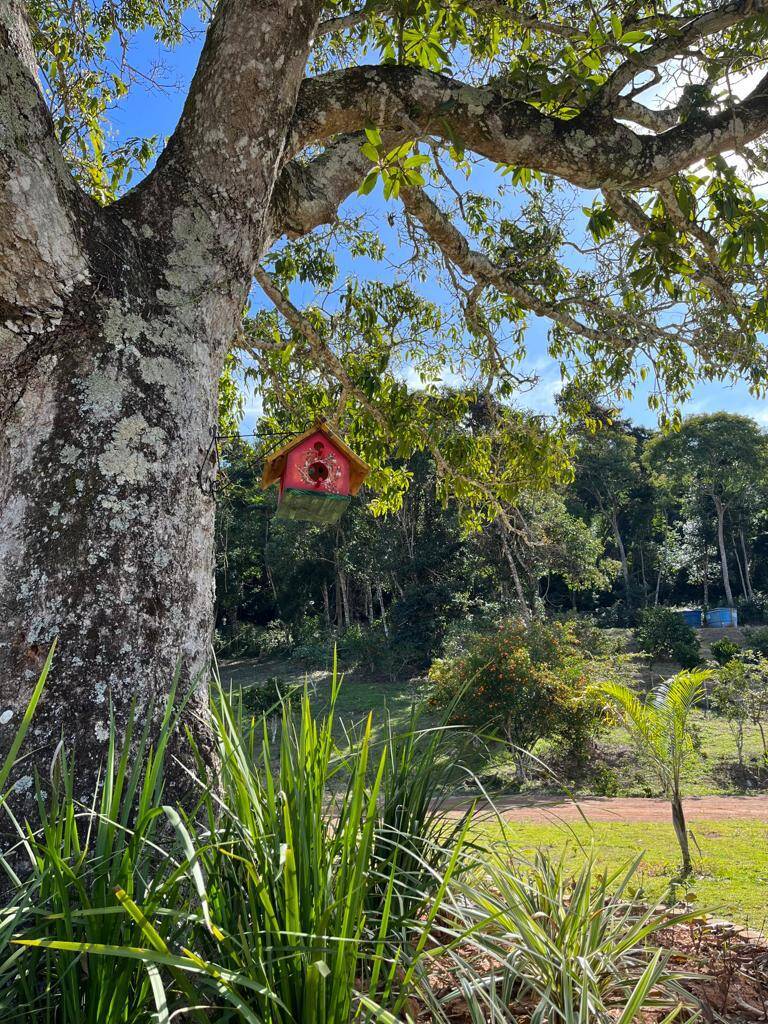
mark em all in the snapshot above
pixel 629 809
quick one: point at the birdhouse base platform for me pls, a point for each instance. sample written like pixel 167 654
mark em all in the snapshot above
pixel 312 506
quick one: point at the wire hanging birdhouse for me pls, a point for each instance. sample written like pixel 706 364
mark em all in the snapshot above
pixel 317 475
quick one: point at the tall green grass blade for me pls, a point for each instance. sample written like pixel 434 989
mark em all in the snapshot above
pixel 23 728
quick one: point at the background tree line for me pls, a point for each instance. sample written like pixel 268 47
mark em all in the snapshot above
pixel 648 519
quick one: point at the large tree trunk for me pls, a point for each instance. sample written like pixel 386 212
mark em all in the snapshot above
pixel 115 324
pixel 106 523
pixel 720 511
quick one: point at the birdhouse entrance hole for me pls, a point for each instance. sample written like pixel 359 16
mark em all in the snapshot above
pixel 317 472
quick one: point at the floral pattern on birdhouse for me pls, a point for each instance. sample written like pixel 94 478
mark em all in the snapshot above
pixel 320 468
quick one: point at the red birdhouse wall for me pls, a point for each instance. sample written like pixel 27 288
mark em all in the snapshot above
pixel 316 464
pixel 317 473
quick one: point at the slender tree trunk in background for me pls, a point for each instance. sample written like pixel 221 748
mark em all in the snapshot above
pixel 658 589
pixel 114 326
pixel 681 832
pixel 520 756
pixel 761 727
pixel 326 605
pixel 738 730
pixel 742 579
pixel 342 600
pixel 622 554
pixel 525 611
pixel 720 511
pixel 268 568
pixel 642 574
pixel 747 574
pixel 380 596
pixel 706 576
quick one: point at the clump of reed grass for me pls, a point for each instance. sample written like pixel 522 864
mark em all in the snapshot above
pixel 308 884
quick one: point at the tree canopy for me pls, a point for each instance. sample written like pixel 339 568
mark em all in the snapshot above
pixel 594 166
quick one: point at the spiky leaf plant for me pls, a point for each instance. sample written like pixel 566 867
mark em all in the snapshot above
pixel 77 861
pixel 569 949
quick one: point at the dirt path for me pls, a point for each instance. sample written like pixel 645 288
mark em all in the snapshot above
pixel 619 809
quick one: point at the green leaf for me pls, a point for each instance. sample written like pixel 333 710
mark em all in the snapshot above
pixel 369 183
pixel 633 37
pixel 367 149
pixel 373 135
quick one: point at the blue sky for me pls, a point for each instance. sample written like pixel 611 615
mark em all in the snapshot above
pixel 146 112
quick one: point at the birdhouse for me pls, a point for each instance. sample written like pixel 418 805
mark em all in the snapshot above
pixel 317 474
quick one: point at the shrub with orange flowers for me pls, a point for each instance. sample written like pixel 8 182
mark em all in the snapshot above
pixel 526 682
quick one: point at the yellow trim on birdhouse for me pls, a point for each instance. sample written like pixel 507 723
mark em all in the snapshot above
pixel 274 463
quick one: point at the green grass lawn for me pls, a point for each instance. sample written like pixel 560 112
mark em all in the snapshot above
pixel 622 771
pixel 357 697
pixel 730 859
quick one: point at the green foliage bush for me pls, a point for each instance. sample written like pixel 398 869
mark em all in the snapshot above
pixel 664 636
pixel 365 647
pixel 725 650
pixel 753 612
pixel 247 640
pixel 757 639
pixel 312 643
pixel 525 682
pixel 269 697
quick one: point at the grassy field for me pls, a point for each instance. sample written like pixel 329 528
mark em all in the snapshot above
pixel 618 769
pixel 731 856
pixel 730 859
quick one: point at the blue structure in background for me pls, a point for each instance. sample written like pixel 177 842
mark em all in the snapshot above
pixel 692 618
pixel 721 617
pixel 715 617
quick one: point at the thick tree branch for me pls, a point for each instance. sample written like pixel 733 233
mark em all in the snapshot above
pixel 39 238
pixel 591 150
pixel 226 153
pixel 343 22
pixel 310 194
pixel 658 121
